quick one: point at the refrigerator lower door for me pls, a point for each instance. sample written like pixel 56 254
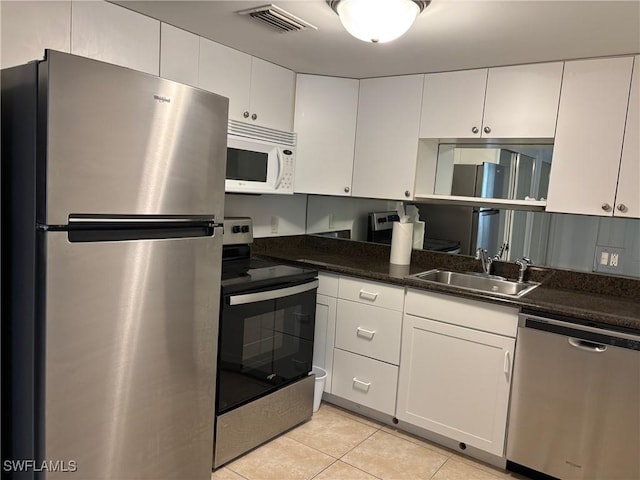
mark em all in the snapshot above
pixel 129 356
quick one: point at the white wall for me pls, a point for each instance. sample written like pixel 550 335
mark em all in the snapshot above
pixel 343 213
pixel 288 213
pixel 573 240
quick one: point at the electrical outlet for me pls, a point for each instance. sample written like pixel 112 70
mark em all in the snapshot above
pixel 614 260
pixel 608 259
pixel 274 224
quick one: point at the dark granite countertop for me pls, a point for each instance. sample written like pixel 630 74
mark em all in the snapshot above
pixel 607 300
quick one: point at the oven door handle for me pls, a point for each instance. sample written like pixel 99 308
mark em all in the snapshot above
pixel 271 294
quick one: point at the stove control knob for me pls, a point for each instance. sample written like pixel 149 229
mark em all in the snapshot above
pixel 236 229
pixel 245 229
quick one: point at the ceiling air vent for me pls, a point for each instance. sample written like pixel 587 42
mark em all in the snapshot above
pixel 277 18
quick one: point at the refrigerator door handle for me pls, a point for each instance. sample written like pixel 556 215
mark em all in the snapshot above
pixel 106 220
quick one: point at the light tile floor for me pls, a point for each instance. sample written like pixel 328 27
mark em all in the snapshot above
pixel 338 444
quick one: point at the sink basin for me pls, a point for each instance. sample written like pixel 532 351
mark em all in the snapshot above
pixel 478 282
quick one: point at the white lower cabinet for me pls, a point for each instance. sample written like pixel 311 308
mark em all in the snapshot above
pixel 365 381
pixel 325 326
pixel 455 380
pixel 368 325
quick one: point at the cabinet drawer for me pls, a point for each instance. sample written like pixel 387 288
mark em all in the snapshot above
pixel 463 312
pixel 365 381
pixel 371 293
pixel 368 330
pixel 327 284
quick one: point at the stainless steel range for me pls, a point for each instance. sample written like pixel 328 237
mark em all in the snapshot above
pixel 267 321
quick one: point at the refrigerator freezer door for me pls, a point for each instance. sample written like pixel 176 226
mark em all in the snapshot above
pixel 123 142
pixel 130 356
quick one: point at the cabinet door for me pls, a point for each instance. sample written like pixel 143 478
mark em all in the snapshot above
pixel 628 193
pixel 455 381
pixel 387 137
pixel 588 144
pixel 30 27
pixel 113 34
pixel 272 95
pixel 227 72
pixel 325 121
pixel 452 104
pixel 522 101
pixel 324 337
pixel 179 55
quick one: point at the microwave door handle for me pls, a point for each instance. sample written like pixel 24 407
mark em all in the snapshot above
pixel 271 294
pixel 280 169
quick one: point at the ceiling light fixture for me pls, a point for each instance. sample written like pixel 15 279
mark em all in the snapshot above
pixel 377 21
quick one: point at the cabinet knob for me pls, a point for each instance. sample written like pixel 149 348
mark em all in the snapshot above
pixel 254 117
pixel 622 207
pixel 245 114
pixel 407 193
pixel 347 189
pixel 474 130
pixel 487 130
pixel 606 207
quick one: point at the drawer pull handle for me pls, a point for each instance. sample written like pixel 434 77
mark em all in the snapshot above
pixel 360 385
pixel 368 334
pixel 368 295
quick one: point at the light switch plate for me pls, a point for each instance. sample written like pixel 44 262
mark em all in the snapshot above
pixel 608 259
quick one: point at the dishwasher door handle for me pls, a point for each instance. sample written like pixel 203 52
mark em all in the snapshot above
pixel 586 345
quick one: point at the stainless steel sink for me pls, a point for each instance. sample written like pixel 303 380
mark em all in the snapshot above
pixel 479 282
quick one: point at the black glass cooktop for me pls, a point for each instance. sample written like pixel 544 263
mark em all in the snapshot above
pixel 252 272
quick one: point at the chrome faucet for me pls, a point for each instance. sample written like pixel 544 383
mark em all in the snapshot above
pixel 523 263
pixel 485 259
pixel 503 248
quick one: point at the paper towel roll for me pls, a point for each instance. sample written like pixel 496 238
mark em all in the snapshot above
pixel 418 235
pixel 401 243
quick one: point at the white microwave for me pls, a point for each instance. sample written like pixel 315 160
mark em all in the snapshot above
pixel 259 160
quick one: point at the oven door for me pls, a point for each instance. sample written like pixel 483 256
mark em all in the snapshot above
pixel 266 341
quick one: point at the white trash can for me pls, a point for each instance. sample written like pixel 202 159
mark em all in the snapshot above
pixel 321 377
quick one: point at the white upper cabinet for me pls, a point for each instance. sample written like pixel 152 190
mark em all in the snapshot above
pixel 326 109
pixel 504 102
pixel 28 28
pixel 227 72
pixel 628 192
pixel 259 92
pixel 589 135
pixel 522 101
pixel 272 95
pixel 113 34
pixel 179 53
pixel 452 104
pixel 387 137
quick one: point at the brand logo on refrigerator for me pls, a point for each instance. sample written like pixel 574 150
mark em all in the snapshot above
pixel 162 99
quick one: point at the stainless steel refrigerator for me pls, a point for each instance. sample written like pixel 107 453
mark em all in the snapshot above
pixel 473 227
pixel 112 190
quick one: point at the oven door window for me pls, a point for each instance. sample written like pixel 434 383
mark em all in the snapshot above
pixel 263 346
pixel 247 165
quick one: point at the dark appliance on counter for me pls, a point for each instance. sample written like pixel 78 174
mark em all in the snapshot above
pixel 113 197
pixel 380 230
pixel 575 399
pixel 267 322
pixel 473 227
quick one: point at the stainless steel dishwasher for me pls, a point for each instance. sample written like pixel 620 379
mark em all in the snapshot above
pixel 575 402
